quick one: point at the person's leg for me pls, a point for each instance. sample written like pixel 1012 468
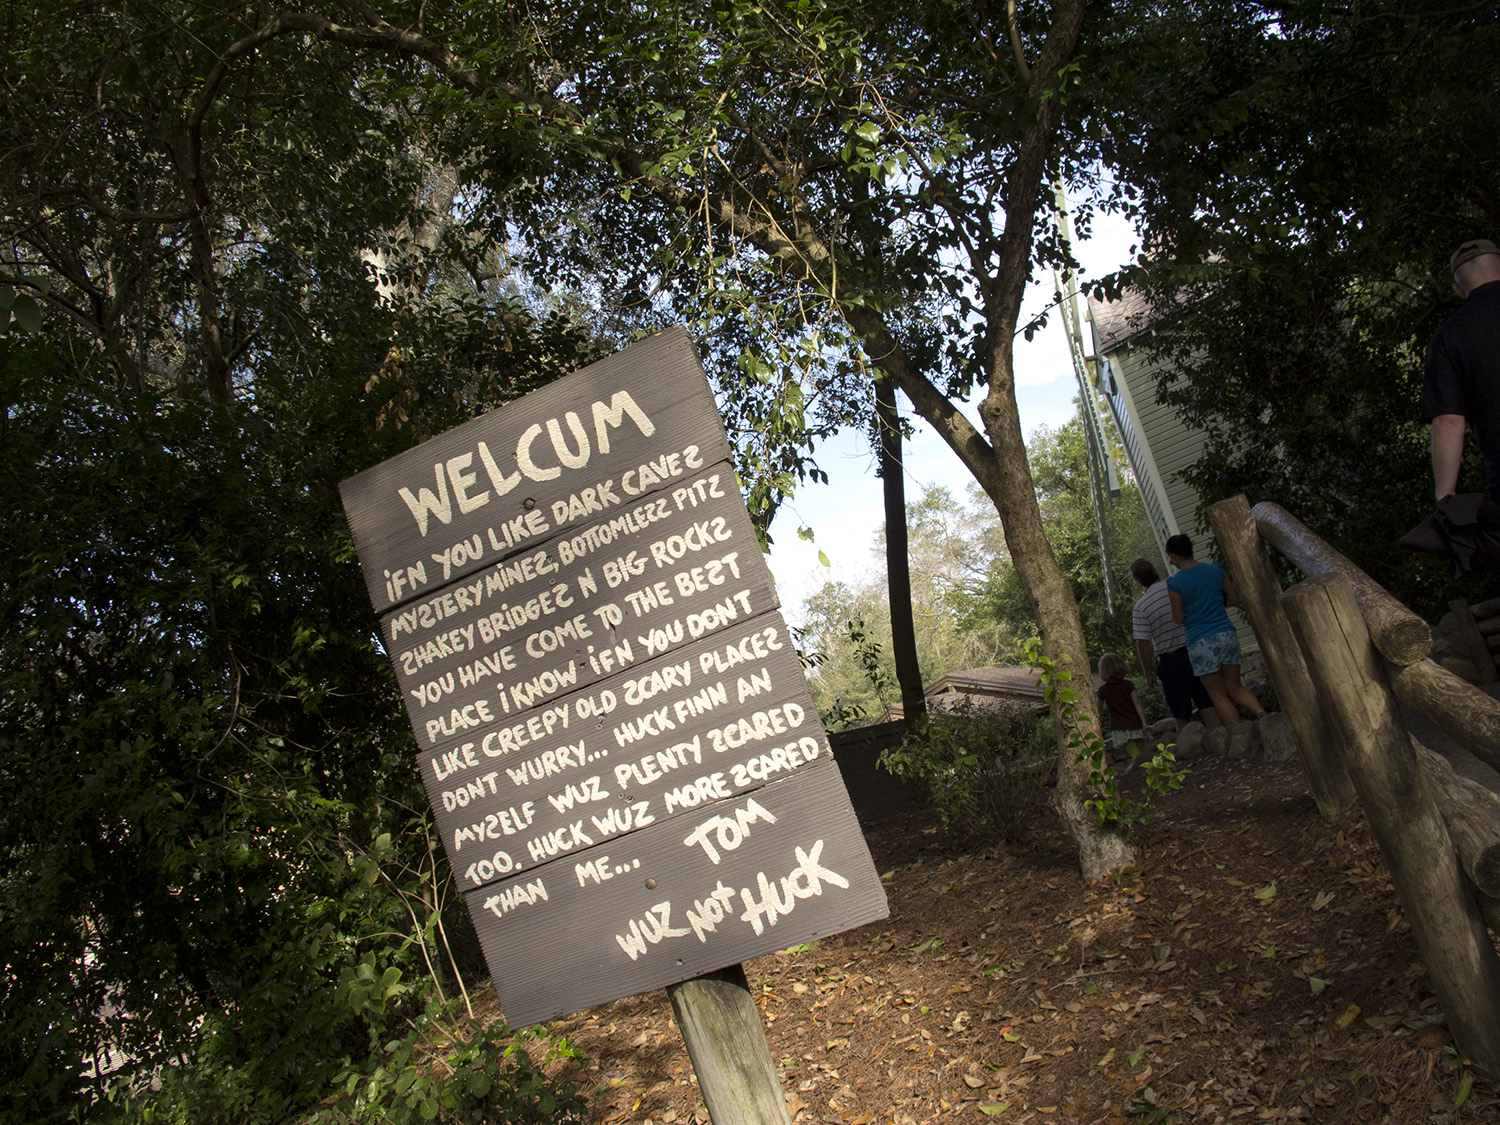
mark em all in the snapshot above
pixel 1179 686
pixel 1214 683
pixel 1237 691
pixel 1204 702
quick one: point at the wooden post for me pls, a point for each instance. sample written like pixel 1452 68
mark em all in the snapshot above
pixel 1468 810
pixel 1379 756
pixel 1455 706
pixel 1401 636
pixel 1260 599
pixel 727 1046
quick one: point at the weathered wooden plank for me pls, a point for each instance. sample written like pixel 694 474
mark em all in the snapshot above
pixel 1260 600
pixel 742 878
pixel 516 635
pixel 1408 826
pixel 701 725
pixel 600 439
pixel 1401 636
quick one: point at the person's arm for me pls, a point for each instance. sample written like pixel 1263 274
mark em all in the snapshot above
pixel 1146 654
pixel 1176 607
pixel 1231 591
pixel 1135 697
pixel 1447 452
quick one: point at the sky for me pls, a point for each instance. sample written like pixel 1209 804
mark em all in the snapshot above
pixel 847 513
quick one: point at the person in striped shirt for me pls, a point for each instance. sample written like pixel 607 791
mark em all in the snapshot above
pixel 1161 645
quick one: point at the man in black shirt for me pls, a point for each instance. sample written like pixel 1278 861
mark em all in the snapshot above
pixel 1462 381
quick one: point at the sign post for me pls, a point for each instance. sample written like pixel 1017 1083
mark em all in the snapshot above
pixel 632 786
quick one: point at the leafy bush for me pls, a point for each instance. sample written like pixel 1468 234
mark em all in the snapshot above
pixel 974 764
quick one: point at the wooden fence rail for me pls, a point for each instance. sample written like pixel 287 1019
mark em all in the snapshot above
pixel 1340 652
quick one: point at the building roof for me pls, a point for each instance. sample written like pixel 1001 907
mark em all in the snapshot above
pixel 1008 683
pixel 1115 322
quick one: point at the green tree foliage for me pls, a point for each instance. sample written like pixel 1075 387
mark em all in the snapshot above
pixel 209 813
pixel 1060 470
pixel 967 601
pixel 1302 172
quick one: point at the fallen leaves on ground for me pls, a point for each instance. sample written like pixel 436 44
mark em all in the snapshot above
pixel 1257 967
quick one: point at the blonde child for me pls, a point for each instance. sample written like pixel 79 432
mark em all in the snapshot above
pixel 1127 718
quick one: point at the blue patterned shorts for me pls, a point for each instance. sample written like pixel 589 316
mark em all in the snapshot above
pixel 1211 653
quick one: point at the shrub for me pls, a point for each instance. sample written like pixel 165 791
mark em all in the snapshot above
pixel 975 765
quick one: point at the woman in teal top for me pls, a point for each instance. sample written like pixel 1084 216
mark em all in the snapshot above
pixel 1199 593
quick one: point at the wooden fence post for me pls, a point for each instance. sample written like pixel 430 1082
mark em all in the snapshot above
pixel 1260 598
pixel 726 1043
pixel 1379 756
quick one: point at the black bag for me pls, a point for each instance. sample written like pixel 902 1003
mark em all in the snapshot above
pixel 1466 528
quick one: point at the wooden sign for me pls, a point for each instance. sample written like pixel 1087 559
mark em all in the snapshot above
pixel 742 878
pixel 631 783
pixel 708 722
pixel 680 566
pixel 594 442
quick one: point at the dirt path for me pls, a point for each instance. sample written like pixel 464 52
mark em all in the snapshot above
pixel 1258 968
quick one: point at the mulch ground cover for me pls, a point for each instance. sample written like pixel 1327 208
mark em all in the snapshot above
pixel 1256 967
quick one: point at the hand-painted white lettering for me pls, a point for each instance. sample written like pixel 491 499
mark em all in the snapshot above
pixel 558 840
pixel 758 684
pixel 540 686
pixel 607 659
pixel 717 616
pixel 459 554
pixel 585 502
pixel 710 787
pixel 658 640
pixel 397 581
pixel 649 598
pixel 527 525
pixel 653 724
pixel 591 706
pixel 475 714
pixel 533 728
pixel 482 871
pixel 593 870
pixel 729 829
pixel 475 789
pixel 583 793
pixel 757 727
pixel 653 927
pixel 616 820
pixel 757 646
pixel 804 881
pixel 511 898
pixel 701 579
pixel 503 822
pixel 440 646
pixel 451 762
pixel 701 702
pixel 707 913
pixel 549 640
pixel 603 535
pixel 699 492
pixel 782 759
pixel 548 763
pixel 653 766
pixel 671 678
pixel 700 536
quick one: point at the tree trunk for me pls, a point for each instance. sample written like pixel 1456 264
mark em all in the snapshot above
pixel 1101 850
pixel 897 561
